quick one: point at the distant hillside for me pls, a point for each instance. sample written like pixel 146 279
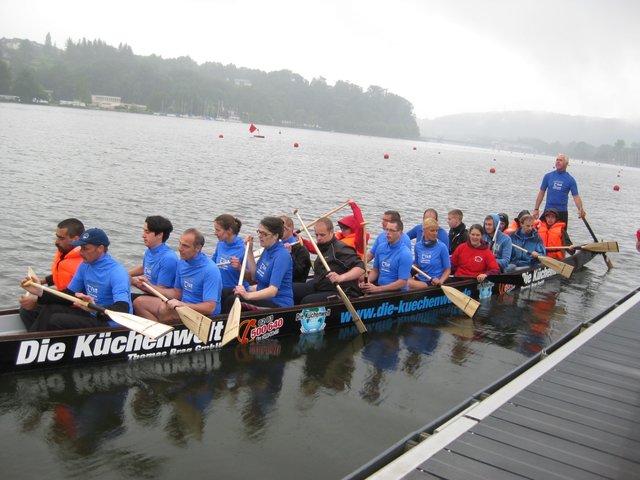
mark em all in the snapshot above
pixel 510 127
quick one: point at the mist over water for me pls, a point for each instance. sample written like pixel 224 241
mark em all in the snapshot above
pixel 278 409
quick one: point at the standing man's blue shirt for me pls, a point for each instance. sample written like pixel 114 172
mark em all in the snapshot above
pixel 558 185
pixel 275 267
pixel 159 265
pixel 200 281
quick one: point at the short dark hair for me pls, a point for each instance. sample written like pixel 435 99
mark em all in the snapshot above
pixel 274 225
pixel 197 235
pixel 158 224
pixel 326 222
pixel 394 214
pixel 477 226
pixel 229 222
pixel 74 227
pixel 456 212
pixel 398 223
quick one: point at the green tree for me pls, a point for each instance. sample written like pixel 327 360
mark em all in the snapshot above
pixel 5 78
pixel 27 88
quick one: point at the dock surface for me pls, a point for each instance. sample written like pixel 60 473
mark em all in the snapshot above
pixel 573 415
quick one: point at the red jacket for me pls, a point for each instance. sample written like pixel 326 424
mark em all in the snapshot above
pixel 468 261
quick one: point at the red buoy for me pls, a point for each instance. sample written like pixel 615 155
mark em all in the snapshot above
pixel 221 136
pixel 616 188
pixel 295 145
pixel 386 156
pixel 414 148
pixel 492 170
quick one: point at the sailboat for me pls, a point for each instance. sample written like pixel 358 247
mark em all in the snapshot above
pixel 253 129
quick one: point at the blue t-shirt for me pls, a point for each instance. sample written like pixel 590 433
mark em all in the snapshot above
pixel 558 185
pixel 105 280
pixel 381 244
pixel 432 260
pixel 275 267
pixel 159 265
pixel 417 232
pixel 200 281
pixel 222 254
pixel 394 264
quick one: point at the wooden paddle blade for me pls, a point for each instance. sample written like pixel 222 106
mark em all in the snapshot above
pixel 562 268
pixel 199 324
pixel 232 326
pixel 148 328
pixel 601 247
pixel 464 302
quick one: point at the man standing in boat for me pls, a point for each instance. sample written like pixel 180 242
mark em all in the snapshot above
pixel 198 284
pixel 558 184
pixel 392 266
pixel 159 262
pixel 345 264
pixel 100 279
pixel 63 268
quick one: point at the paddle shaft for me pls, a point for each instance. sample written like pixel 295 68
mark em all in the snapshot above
pixel 420 272
pixel 328 214
pixel 345 299
pixel 366 251
pixel 233 320
pixel 608 262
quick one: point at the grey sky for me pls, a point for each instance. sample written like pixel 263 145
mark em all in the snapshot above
pixel 445 56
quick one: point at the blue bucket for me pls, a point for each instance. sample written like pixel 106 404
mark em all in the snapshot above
pixel 485 289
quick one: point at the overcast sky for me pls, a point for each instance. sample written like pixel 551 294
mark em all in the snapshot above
pixel 578 57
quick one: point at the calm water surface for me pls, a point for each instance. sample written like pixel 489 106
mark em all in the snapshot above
pixel 318 406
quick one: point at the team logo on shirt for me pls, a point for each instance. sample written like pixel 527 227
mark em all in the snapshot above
pixel 313 319
pixel 557 185
pixel 478 259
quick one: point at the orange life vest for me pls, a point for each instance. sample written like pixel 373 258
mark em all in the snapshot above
pixel 552 237
pixel 64 268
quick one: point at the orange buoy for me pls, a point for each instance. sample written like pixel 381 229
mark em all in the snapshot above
pixel 616 188
pixel 295 145
pixel 492 170
pixel 221 136
pixel 386 156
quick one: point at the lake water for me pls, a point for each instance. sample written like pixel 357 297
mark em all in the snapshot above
pixel 313 407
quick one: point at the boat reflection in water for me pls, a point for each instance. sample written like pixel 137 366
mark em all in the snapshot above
pixel 133 417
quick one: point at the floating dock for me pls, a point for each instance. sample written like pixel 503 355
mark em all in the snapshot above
pixel 571 412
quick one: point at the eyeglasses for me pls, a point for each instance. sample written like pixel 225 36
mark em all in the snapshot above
pixel 262 233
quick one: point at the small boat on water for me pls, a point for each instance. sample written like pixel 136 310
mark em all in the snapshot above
pixel 23 351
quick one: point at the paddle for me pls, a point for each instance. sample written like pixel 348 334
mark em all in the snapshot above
pixel 328 214
pixel 196 322
pixel 366 250
pixel 347 303
pixel 148 328
pixel 562 268
pixel 233 321
pixel 464 302
pixel 597 247
pixel 595 239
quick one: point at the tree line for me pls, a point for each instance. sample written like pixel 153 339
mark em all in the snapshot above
pixel 31 71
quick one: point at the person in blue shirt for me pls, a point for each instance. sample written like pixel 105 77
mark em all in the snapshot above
pixel 431 256
pixel 499 242
pixel 416 232
pixel 381 243
pixel 229 252
pixel 527 238
pixel 558 184
pixel 272 275
pixel 391 267
pixel 159 262
pixel 198 284
pixel 100 279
